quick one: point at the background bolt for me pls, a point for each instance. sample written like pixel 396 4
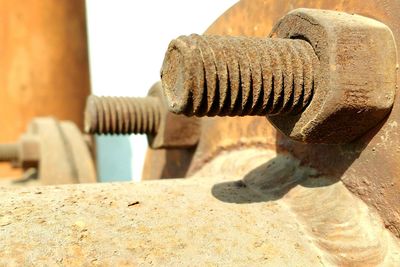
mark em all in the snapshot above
pixel 147 115
pixel 237 76
pixel 24 153
pixel 122 115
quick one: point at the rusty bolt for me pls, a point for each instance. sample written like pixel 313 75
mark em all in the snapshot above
pixel 23 154
pixel 146 115
pixel 236 76
pixel 324 77
pixel 122 115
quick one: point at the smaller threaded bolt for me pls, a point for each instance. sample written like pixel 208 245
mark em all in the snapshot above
pixel 237 76
pixel 122 115
pixel 9 152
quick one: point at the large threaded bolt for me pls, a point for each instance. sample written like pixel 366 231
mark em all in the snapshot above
pixel 237 76
pixel 9 152
pixel 122 115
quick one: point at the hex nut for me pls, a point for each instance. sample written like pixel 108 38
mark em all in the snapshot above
pixel 174 131
pixel 355 87
pixel 29 151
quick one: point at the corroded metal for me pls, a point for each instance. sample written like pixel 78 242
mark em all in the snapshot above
pixel 325 77
pixel 256 197
pixel 237 76
pixel 356 83
pixel 44 66
pixel 369 166
pixel 146 115
pixel 122 115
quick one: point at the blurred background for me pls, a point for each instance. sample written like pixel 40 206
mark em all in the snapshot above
pixel 125 42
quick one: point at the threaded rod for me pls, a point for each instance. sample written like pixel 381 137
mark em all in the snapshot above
pixel 122 115
pixel 8 152
pixel 237 76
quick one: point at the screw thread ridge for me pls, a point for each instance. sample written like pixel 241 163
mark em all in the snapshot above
pixel 8 152
pixel 237 76
pixel 122 115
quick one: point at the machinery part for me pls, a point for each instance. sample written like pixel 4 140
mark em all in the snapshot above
pixel 237 76
pixel 122 115
pixel 57 149
pixel 369 166
pixel 147 115
pixel 23 154
pixel 357 80
pixel 330 79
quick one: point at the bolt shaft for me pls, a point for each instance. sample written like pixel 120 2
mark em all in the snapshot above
pixel 8 152
pixel 122 115
pixel 237 76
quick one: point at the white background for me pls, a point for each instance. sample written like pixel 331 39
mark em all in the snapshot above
pixel 127 42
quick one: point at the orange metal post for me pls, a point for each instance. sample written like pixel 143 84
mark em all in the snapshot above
pixel 44 67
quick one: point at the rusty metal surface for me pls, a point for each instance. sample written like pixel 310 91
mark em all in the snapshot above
pixel 325 77
pixel 356 82
pixel 369 167
pixel 266 218
pixel 122 115
pixel 255 197
pixel 44 62
pixel 237 76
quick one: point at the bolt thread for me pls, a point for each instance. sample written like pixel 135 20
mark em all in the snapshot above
pixel 122 115
pixel 8 152
pixel 237 76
